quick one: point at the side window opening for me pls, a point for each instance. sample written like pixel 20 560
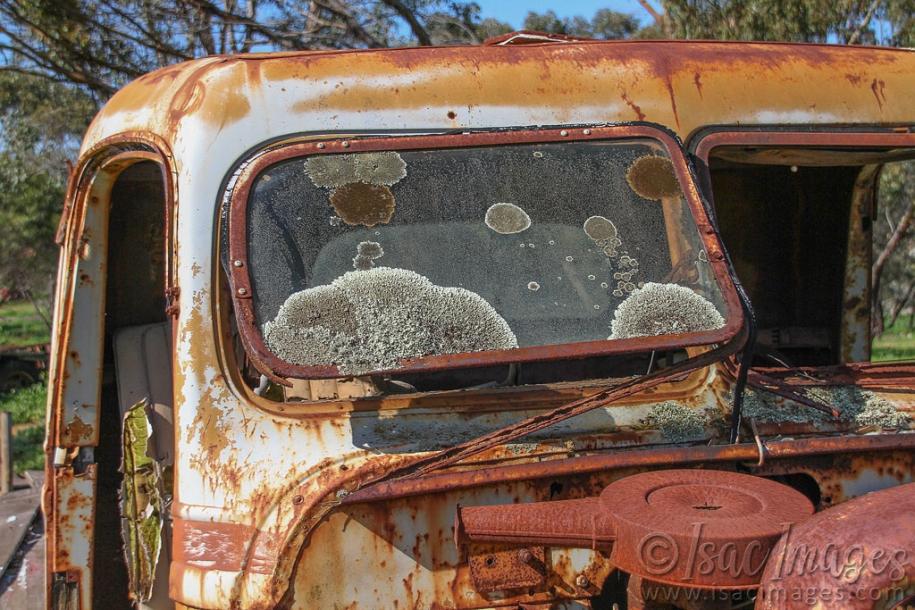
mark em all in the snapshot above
pixel 137 368
pixel 893 326
pixel 798 224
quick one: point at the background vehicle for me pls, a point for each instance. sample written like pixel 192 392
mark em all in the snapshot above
pixel 258 476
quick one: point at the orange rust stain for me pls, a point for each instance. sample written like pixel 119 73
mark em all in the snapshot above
pixel 634 106
pixel 76 432
pixel 222 96
pixel 878 87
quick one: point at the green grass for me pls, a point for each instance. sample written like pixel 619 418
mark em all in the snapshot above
pixel 896 343
pixel 21 325
pixel 27 406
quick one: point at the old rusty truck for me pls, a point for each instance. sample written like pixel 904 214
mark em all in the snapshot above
pixel 538 323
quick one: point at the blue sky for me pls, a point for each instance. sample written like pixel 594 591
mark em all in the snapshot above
pixel 513 11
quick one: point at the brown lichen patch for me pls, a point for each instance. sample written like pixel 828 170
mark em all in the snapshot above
pixel 507 218
pixel 359 203
pixel 653 177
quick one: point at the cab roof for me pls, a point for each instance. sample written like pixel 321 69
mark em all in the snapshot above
pixel 241 101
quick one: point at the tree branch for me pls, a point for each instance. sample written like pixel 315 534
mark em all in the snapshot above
pixel 853 39
pixel 422 36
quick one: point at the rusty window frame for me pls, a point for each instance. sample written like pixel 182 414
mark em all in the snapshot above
pixel 273 366
pixel 766 138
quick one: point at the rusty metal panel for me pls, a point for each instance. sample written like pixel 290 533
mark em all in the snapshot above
pixel 686 85
pixel 80 387
pixel 71 530
pixel 496 569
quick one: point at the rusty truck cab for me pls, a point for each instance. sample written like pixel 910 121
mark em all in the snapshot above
pixel 562 324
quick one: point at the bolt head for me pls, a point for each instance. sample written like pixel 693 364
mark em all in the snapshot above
pixel 582 581
pixel 345 144
pixel 242 291
pixel 237 263
pixel 587 132
pixel 321 144
pixel 563 133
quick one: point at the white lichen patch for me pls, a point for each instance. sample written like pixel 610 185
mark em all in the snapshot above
pixel 858 407
pixel 677 422
pixel 383 168
pixel 372 320
pixel 507 218
pixel 330 171
pixel 599 228
pixel 366 253
pixel 863 408
pixel 379 168
pixel 662 309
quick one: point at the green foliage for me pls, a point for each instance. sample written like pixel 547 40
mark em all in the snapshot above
pixel 27 406
pixel 28 451
pixel 40 125
pixel 845 21
pixel 21 325
pixel 606 24
pixel 895 200
pixel 896 342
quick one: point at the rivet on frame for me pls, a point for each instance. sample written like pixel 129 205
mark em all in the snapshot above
pixel 587 132
pixel 563 133
pixel 321 145
pixel 345 144
pixel 243 291
pixel 238 263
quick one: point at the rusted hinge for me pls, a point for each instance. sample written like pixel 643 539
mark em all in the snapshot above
pixel 171 301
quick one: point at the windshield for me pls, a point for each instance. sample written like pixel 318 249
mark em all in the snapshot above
pixel 365 260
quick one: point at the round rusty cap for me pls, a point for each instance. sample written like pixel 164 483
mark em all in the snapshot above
pixel 699 528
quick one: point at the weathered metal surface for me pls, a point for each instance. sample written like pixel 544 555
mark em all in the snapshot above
pixel 634 458
pixel 70 542
pixel 270 364
pixel 495 568
pixel 569 523
pixel 695 528
pixel 259 513
pixel 682 84
pixel 708 529
pixel 857 555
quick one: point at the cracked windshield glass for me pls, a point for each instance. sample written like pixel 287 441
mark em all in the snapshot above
pixel 365 260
